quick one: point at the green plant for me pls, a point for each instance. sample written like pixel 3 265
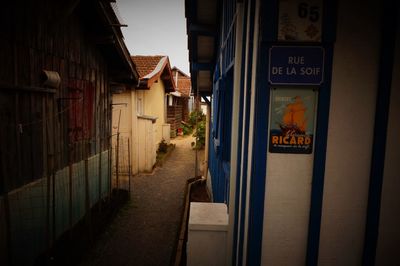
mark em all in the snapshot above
pixel 196 114
pixel 187 129
pixel 200 135
pixel 162 147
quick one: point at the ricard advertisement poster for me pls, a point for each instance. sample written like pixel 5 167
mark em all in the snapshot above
pixel 292 120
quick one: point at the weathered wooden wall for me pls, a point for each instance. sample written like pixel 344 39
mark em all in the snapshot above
pixel 175 114
pixel 185 109
pixel 54 142
pixel 46 129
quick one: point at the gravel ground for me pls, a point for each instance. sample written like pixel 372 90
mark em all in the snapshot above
pixel 145 230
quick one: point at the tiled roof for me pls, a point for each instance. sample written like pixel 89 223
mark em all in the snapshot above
pixel 146 64
pixel 151 68
pixel 181 73
pixel 184 83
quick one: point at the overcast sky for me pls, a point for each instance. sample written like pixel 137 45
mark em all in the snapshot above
pixel 156 27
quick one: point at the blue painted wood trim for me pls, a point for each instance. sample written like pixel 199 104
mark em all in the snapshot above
pixel 388 42
pixel 227 133
pixel 244 174
pixel 329 21
pixel 238 211
pixel 268 25
pixel 251 4
pixel 320 144
pixel 259 161
pixel 269 20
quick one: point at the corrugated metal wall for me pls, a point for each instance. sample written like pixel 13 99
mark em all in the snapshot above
pixel 35 222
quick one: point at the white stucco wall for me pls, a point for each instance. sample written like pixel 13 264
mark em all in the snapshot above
pixel 350 133
pixel 122 115
pixel 154 106
pixel 287 206
pixel 389 229
pixel 128 123
pixel 122 105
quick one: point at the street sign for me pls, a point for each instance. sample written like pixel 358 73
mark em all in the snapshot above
pixel 296 65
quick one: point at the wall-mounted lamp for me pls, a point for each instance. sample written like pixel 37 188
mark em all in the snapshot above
pixel 50 79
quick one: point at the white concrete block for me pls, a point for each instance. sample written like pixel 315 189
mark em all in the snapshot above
pixel 207 234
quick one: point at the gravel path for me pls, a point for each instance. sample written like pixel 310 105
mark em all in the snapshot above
pixel 145 230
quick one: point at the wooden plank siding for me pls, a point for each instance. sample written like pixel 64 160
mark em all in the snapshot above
pixel 174 114
pixel 185 109
pixel 55 159
pixel 37 122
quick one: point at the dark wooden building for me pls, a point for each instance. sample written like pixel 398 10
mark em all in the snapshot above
pixel 58 60
pixel 178 103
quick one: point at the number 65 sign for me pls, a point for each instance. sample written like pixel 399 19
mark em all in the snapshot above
pixel 300 20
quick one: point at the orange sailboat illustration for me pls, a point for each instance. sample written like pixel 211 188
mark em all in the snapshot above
pixel 294 121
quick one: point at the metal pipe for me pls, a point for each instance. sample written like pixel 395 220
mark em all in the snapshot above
pixel 117 153
pixel 129 167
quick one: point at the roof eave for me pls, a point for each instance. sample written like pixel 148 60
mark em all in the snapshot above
pixel 202 22
pixel 107 12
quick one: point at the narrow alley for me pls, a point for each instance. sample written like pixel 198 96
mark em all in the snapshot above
pixel 145 231
pixel 199 132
